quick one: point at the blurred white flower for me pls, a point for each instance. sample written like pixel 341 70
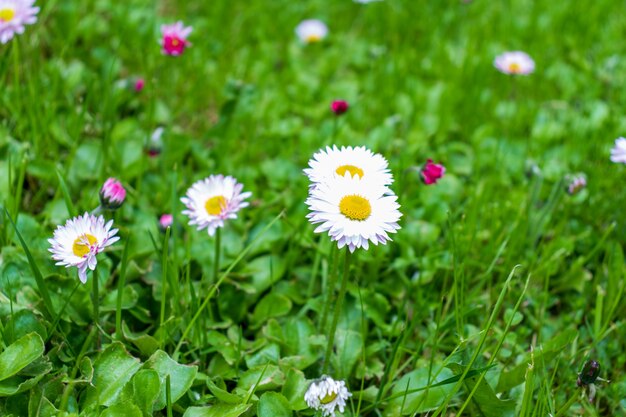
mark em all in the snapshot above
pixel 618 153
pixel 326 394
pixel 14 14
pixel 311 30
pixel 514 63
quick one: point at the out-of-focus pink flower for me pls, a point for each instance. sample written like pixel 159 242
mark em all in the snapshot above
pixel 140 83
pixel 576 184
pixel 618 153
pixel 166 221
pixel 514 63
pixel 174 38
pixel 339 107
pixel 112 194
pixel 432 172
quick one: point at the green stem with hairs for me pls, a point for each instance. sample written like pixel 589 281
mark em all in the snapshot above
pixel 338 306
pixel 330 287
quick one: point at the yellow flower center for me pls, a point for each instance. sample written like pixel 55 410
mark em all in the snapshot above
pixel 82 244
pixel 355 207
pixel 175 42
pixel 329 398
pixel 351 169
pixel 514 67
pixel 6 15
pixel 215 205
pixel 313 38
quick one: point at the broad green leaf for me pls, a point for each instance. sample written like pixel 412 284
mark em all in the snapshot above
pixel 349 348
pixel 484 396
pixel 19 354
pixel 146 344
pixel 129 299
pixel 113 368
pixel 17 384
pixel 181 376
pixel 272 378
pixel 294 388
pixel 21 323
pixel 270 306
pixel 422 400
pixel 223 395
pixel 220 410
pixel 143 390
pixel 126 409
pixel 273 404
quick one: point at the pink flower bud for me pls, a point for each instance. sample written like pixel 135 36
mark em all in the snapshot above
pixel 339 107
pixel 166 221
pixel 432 172
pixel 112 194
pixel 139 84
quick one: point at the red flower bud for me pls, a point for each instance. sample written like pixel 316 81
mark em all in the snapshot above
pixel 432 172
pixel 339 107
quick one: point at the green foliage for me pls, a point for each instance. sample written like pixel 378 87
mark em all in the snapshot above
pixel 434 323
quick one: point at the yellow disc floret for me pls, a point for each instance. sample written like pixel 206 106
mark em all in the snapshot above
pixel 82 244
pixel 351 169
pixel 215 205
pixel 355 207
pixel 515 67
pixel 6 15
pixel 330 397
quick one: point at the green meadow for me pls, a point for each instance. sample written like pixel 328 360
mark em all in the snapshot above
pixel 496 290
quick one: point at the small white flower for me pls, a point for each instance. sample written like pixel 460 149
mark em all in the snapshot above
pixel 212 200
pixel 14 14
pixel 354 211
pixel 514 63
pixel 326 394
pixel 311 30
pixel 80 240
pixel 618 153
pixel 359 161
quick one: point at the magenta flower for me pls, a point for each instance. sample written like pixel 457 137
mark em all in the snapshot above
pixel 174 38
pixel 432 172
pixel 339 107
pixel 166 221
pixel 112 194
pixel 140 83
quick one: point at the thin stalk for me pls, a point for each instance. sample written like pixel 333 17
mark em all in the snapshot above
pixel 120 290
pixel 338 306
pixel 331 284
pixel 567 405
pixel 166 241
pixel 95 298
pixel 216 261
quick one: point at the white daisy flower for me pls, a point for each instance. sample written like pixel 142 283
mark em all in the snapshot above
pixel 80 240
pixel 311 30
pixel 326 394
pixel 618 153
pixel 14 14
pixel 514 63
pixel 354 211
pixel 359 161
pixel 212 200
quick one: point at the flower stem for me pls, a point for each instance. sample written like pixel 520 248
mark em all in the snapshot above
pixel 330 286
pixel 96 304
pixel 338 306
pixel 216 261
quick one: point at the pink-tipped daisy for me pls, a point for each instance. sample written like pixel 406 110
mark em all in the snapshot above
pixel 174 38
pixel 79 241
pixel 514 63
pixel 212 200
pixel 112 194
pixel 358 162
pixel 14 14
pixel 353 211
pixel 311 31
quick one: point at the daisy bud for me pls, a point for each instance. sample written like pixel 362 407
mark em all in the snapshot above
pixel 165 221
pixel 432 172
pixel 589 373
pixel 156 143
pixel 576 184
pixel 139 84
pixel 339 107
pixel 112 194
pixel 174 38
